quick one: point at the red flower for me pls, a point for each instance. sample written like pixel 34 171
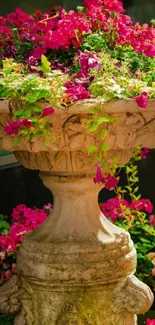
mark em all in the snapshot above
pixel 77 92
pixel 95 3
pixel 142 100
pixel 144 153
pixel 113 5
pixel 152 220
pixel 26 122
pixel 150 321
pixel 99 177
pixel 111 182
pixel 48 110
pixel 12 128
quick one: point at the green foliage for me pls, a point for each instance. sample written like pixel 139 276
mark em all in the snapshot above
pixel 135 74
pixel 143 236
pixel 95 42
pixel 6 319
pixel 136 222
pixel 4 225
pixel 31 90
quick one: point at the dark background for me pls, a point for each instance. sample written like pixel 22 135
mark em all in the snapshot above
pixel 140 10
pixel 18 185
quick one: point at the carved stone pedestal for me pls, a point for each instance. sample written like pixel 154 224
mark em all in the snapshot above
pixel 69 276
pixel 77 268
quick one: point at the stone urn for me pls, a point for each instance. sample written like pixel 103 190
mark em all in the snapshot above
pixel 78 268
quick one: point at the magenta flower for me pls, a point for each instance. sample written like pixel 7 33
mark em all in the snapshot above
pixel 142 205
pixel 144 153
pixel 142 100
pixel 12 128
pixel 113 208
pixel 99 177
pixel 113 5
pixel 48 110
pixel 95 3
pixel 111 182
pixel 37 52
pixel 150 321
pixel 152 220
pixel 77 93
pixel 26 122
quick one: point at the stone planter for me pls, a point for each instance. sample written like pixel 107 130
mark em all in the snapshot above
pixel 77 268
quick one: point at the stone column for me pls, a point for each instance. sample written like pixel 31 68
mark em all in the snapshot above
pixel 77 268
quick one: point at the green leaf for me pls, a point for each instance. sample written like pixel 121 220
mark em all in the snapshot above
pixel 105 147
pixel 93 128
pixel 104 164
pixel 95 110
pixel 46 65
pixel 91 149
pixel 31 98
pixel 103 119
pixel 16 140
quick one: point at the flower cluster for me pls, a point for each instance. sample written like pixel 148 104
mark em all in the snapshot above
pixel 25 35
pixel 13 127
pixel 116 208
pixel 109 181
pixel 135 216
pixel 16 127
pixel 23 220
pixel 150 321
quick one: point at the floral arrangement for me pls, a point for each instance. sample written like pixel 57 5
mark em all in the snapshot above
pixel 23 220
pixel 60 57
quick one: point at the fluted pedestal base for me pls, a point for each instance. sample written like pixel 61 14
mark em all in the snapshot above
pixel 76 269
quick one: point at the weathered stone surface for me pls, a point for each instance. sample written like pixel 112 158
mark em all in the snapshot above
pixel 77 268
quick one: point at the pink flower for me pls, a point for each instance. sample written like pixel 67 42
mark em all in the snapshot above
pixel 95 3
pixel 99 177
pixel 26 122
pixel 37 52
pixel 2 256
pixel 77 93
pixel 48 207
pixel 152 220
pixel 113 208
pixel 48 110
pixel 5 266
pixel 142 100
pixel 8 274
pixel 142 205
pixel 150 321
pixel 12 128
pixel 113 5
pixel 111 182
pixel 144 153
pixel 14 267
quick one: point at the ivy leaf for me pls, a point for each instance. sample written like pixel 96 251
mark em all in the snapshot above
pixel 93 128
pixel 31 98
pixel 105 147
pixel 46 65
pixel 95 110
pixel 104 164
pixel 103 119
pixel 91 149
